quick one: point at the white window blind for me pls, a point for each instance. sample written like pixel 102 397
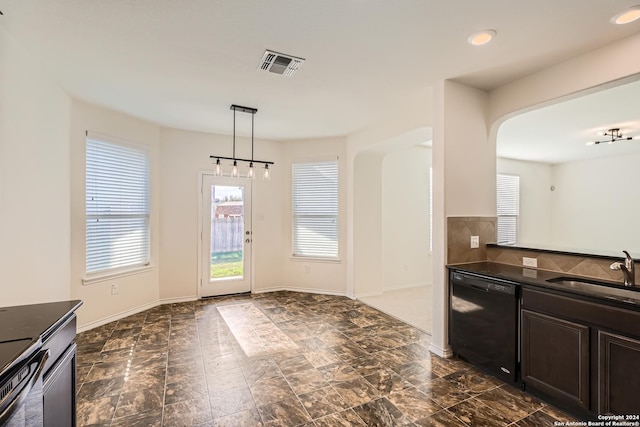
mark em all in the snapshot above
pixel 508 198
pixel 315 209
pixel 117 206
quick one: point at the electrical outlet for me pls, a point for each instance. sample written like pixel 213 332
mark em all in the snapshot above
pixel 530 262
pixel 475 242
pixel 114 289
pixel 307 269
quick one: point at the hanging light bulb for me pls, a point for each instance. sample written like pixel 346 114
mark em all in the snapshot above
pixel 251 173
pixel 266 175
pixel 234 169
pixel 218 168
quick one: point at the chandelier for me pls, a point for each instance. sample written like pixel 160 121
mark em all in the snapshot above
pixel 614 135
pixel 266 174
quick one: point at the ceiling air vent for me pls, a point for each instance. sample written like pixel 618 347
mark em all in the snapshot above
pixel 280 63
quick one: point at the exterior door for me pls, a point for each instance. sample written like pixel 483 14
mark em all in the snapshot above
pixel 226 236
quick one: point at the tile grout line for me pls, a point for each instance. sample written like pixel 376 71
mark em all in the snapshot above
pixel 407 349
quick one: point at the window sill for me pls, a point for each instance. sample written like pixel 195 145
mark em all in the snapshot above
pixel 103 277
pixel 316 259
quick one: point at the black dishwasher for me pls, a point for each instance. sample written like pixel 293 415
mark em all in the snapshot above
pixel 483 323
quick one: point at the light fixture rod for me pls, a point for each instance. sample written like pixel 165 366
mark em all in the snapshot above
pixel 252 116
pixel 235 159
pixel 264 162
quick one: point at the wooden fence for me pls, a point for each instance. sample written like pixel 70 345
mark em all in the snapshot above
pixel 227 234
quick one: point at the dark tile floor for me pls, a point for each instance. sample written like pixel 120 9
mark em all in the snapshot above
pixel 283 359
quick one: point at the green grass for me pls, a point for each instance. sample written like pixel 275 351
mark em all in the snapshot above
pixel 226 264
pixel 226 269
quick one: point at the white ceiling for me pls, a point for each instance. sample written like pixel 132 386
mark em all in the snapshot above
pixel 558 133
pixel 183 63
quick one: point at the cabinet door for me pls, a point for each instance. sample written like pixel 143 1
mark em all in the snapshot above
pixel 619 374
pixel 59 392
pixel 555 357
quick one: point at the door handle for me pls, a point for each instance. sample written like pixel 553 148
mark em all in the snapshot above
pixel 248 241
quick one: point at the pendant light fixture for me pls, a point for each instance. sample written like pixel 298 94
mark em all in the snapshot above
pixel 613 134
pixel 235 172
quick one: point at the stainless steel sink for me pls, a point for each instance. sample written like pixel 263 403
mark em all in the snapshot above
pixel 631 295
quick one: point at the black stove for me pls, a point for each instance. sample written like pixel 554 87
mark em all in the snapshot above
pixel 14 351
pixel 23 330
pixel 23 325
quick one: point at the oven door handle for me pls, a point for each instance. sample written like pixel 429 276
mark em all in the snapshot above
pixel 40 359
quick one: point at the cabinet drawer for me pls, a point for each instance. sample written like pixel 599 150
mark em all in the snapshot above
pixel 58 343
pixel 602 315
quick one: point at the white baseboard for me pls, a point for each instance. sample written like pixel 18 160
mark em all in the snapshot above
pixel 135 310
pixel 176 300
pixel 445 353
pixel 113 318
pixel 304 290
pixel 405 286
pixel 368 294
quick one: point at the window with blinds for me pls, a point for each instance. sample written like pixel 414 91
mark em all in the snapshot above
pixel 508 198
pixel 117 206
pixel 315 209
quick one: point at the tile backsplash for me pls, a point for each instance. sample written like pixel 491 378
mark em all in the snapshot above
pixel 459 232
pixel 577 265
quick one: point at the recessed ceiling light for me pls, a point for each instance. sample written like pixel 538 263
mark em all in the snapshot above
pixel 626 16
pixel 481 37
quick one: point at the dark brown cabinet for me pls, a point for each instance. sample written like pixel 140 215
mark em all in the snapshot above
pixel 581 354
pixel 59 384
pixel 59 392
pixel 618 374
pixel 555 357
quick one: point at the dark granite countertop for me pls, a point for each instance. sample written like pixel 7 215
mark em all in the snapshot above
pixel 538 278
pixel 23 326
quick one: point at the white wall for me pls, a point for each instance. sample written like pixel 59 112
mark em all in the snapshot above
pixel 184 155
pixel 535 199
pixel 367 258
pixel 405 218
pixel 470 158
pixel 137 291
pixel 365 152
pixel 322 276
pixel 588 207
pixel 464 182
pixel 565 80
pixel 34 181
pixel 595 204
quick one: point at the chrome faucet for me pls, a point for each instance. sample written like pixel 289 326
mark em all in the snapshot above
pixel 628 269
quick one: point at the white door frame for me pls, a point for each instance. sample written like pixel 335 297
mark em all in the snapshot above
pixel 200 239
